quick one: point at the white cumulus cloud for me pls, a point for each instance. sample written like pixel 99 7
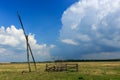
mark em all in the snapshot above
pixel 13 45
pixel 92 22
pixel 69 41
pixel 11 36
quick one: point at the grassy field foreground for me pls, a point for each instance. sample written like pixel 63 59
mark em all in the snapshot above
pixel 87 71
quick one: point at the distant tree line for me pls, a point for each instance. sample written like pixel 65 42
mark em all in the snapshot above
pixel 74 60
pixel 86 60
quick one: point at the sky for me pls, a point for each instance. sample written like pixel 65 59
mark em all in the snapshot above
pixel 60 29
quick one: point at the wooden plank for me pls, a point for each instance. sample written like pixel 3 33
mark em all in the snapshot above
pixel 62 67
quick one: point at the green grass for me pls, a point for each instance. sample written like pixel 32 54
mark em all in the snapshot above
pixel 87 71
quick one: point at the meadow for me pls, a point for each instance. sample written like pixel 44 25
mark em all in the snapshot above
pixel 87 71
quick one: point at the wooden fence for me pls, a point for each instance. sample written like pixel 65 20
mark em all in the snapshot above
pixel 61 67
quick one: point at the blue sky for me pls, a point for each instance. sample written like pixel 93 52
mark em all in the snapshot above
pixel 41 17
pixel 60 29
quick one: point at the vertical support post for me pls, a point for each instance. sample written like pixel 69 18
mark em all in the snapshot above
pixel 28 58
pixel 32 57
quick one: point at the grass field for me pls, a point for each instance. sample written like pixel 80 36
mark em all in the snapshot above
pixel 87 71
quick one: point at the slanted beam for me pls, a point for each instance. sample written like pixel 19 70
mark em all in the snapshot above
pixel 28 56
pixel 29 51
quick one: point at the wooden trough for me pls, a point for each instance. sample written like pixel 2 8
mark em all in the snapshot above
pixel 61 67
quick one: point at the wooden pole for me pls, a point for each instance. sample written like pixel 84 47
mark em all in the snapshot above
pixel 28 56
pixel 28 46
pixel 32 56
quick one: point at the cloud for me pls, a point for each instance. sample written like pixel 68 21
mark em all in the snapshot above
pixel 2 50
pixel 13 45
pixel 10 36
pixel 69 41
pixel 92 23
pixel 102 55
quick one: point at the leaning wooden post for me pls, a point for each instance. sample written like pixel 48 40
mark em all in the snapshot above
pixel 32 57
pixel 28 46
pixel 28 57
